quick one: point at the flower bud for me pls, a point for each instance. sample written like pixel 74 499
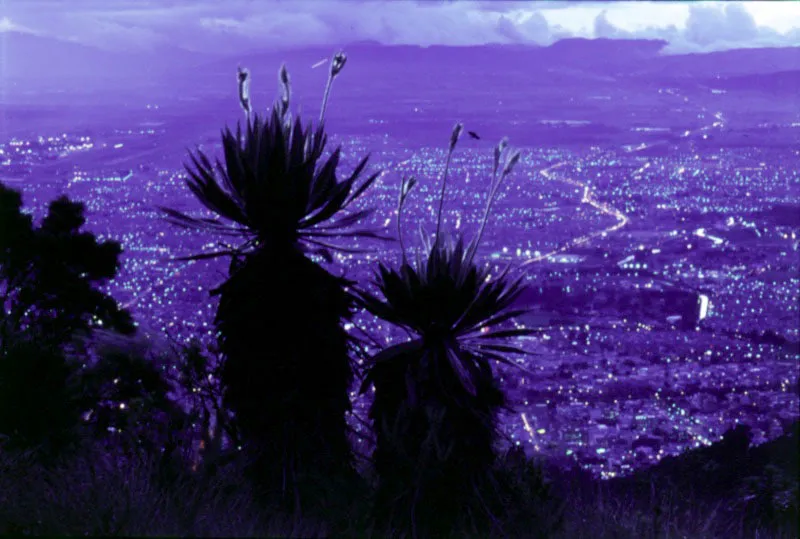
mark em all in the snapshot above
pixel 337 64
pixel 286 89
pixel 407 185
pixel 499 150
pixel 457 130
pixel 510 162
pixel 243 78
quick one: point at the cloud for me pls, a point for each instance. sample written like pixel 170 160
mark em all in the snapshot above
pixel 710 28
pixel 7 25
pixel 111 35
pixel 533 28
pixel 509 30
pixel 415 23
pixel 213 26
pixel 536 28
pixel 604 28
pixel 709 25
pixel 206 25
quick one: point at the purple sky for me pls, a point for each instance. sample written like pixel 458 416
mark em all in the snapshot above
pixel 231 25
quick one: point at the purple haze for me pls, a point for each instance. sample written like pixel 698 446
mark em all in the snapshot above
pixel 656 204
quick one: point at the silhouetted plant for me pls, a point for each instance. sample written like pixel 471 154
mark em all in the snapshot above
pixel 49 304
pixel 49 274
pixel 436 397
pixel 287 367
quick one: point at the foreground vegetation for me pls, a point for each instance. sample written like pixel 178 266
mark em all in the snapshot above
pixel 103 434
pixel 100 492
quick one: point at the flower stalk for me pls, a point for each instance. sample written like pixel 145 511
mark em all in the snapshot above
pixel 405 188
pixel 337 64
pixel 286 94
pixel 454 136
pixel 243 78
pixel 508 167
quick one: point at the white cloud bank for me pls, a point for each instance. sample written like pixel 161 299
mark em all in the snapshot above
pixel 210 25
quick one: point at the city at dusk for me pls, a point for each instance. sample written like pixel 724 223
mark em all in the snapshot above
pixel 626 171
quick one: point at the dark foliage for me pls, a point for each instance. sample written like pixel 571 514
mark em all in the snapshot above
pixel 49 304
pixel 49 274
pixel 286 382
pixel 124 399
pixel 756 485
pixel 528 502
pixel 436 397
pixel 38 399
pixel 198 376
pixel 286 357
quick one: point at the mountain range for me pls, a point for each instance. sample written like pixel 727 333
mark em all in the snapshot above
pixel 34 63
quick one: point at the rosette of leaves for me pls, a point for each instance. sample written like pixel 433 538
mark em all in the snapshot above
pixel 286 358
pixel 436 397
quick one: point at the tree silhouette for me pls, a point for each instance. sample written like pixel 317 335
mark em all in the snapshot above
pixel 436 398
pixel 287 367
pixel 48 302
pixel 49 274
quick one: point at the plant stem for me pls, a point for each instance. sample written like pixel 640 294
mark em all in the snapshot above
pixel 492 193
pixel 441 197
pixel 325 98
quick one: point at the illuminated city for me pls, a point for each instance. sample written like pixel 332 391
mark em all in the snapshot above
pixel 662 256
pixel 403 269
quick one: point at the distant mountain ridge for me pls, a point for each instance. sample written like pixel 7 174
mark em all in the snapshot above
pixel 571 51
pixel 580 50
pixel 31 58
pixel 641 57
pixel 41 61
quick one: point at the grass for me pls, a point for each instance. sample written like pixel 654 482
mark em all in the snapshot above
pixel 96 492
pixel 93 494
pixel 600 514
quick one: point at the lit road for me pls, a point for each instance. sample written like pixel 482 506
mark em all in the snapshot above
pixel 588 196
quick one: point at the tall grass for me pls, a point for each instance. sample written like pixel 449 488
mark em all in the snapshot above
pixel 97 493
pixel 100 493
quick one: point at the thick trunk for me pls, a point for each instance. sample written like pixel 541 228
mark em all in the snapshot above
pixel 287 370
pixel 433 452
